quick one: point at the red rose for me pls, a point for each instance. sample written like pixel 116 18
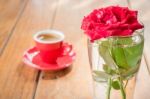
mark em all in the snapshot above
pixel 110 21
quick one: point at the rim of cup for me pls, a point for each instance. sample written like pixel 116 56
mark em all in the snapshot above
pixel 49 31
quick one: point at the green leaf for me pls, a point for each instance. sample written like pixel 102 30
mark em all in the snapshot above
pixel 104 51
pixel 108 70
pixel 120 58
pixel 118 51
pixel 126 53
pixel 115 85
pixel 130 72
pixel 134 54
pixel 100 76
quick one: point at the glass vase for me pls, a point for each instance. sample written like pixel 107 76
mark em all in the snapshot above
pixel 114 63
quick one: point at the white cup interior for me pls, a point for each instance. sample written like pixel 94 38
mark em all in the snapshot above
pixel 61 34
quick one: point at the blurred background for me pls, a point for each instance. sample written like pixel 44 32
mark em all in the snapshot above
pixel 20 19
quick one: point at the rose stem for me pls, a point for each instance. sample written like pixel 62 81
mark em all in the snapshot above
pixel 108 88
pixel 126 84
pixel 121 88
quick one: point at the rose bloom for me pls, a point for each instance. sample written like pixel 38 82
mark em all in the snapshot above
pixel 110 21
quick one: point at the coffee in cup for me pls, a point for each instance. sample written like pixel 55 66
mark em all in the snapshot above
pixel 49 43
pixel 48 37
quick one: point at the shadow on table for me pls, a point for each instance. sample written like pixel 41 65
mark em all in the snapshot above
pixel 55 74
pixel 29 73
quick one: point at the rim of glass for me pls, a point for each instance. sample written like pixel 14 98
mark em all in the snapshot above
pixel 136 33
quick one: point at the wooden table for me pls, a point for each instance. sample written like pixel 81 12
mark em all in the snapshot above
pixel 20 19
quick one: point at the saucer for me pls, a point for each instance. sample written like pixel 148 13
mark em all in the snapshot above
pixel 32 58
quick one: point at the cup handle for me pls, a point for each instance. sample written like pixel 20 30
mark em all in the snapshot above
pixel 66 49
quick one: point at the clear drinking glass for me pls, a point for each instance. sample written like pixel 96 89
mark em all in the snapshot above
pixel 114 62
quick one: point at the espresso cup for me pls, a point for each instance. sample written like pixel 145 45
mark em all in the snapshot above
pixel 49 43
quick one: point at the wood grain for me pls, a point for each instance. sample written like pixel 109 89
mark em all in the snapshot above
pixel 142 83
pixel 17 80
pixel 10 13
pixel 77 84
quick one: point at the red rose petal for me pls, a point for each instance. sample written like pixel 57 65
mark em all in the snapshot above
pixel 110 21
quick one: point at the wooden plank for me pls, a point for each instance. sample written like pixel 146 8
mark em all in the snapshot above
pixel 18 81
pixel 143 8
pixel 10 13
pixel 77 84
pixel 142 83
